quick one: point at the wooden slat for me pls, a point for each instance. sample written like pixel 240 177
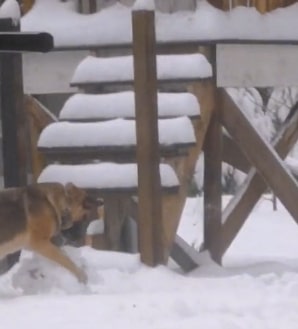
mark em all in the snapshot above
pixel 38 119
pixel 107 86
pixel 115 214
pixel 150 230
pixel 27 5
pixel 232 155
pixel 119 153
pixel 185 167
pixel 267 163
pixel 13 118
pixel 182 253
pixel 212 182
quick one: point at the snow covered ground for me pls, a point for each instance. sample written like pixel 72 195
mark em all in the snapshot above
pixel 257 288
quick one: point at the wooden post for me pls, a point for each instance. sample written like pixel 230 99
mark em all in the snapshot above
pixel 38 118
pixel 212 177
pixel 149 190
pixel 14 128
pixel 87 6
pixel 27 5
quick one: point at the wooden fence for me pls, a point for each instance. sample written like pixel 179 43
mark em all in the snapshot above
pixel 262 5
pixel 91 6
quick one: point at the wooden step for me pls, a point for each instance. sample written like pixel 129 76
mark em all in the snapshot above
pixel 97 71
pixel 90 107
pixel 105 178
pixel 113 140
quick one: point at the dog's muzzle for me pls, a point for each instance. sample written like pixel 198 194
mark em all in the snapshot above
pixel 66 219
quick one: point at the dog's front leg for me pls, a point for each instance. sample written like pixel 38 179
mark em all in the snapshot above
pixel 48 250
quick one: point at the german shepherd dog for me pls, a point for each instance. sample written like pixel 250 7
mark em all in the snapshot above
pixel 31 216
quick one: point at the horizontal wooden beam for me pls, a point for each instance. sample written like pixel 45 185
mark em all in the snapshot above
pixel 167 84
pixel 25 41
pixel 119 154
pixel 174 47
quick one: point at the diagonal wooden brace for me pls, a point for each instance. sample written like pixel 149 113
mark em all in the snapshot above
pixel 267 164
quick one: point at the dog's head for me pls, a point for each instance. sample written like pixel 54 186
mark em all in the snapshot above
pixel 80 203
pixel 78 207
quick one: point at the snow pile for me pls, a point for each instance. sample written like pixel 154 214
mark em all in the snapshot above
pixel 112 25
pixel 103 175
pixel 122 105
pixel 144 5
pixel 10 9
pixel 67 134
pixel 169 67
pixel 257 288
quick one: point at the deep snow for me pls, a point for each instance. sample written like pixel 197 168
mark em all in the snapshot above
pixel 257 288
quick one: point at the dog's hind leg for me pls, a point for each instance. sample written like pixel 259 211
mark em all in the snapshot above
pixel 48 250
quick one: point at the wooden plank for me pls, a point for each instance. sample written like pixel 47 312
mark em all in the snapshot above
pixel 150 231
pixel 232 155
pixel 114 217
pixel 14 126
pixel 87 6
pixel 116 153
pixel 27 5
pixel 25 41
pixel 212 183
pixel 172 206
pixel 107 86
pixel 262 157
pixel 182 253
pixel 38 119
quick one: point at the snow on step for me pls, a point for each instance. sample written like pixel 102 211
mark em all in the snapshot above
pixel 122 105
pixel 118 132
pixel 103 175
pixel 120 69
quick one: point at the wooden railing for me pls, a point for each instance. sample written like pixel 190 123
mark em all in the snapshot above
pixel 263 6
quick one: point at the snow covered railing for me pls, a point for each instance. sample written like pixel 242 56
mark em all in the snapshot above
pixel 104 178
pixel 90 107
pixel 113 139
pixel 96 71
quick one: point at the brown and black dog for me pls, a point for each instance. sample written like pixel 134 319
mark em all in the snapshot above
pixel 31 216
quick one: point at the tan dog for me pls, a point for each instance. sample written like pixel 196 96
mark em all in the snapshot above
pixel 30 216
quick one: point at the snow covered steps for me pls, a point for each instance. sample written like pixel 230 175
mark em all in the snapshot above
pixel 103 178
pixel 96 71
pixel 113 140
pixel 96 107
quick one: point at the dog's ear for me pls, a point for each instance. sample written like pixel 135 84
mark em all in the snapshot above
pixel 74 193
pixel 69 187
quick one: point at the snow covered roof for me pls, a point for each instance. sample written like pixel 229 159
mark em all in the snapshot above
pixel 112 25
pixel 118 132
pixel 169 67
pixel 109 175
pixel 122 105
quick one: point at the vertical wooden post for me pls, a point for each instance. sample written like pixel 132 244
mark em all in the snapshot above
pixel 87 6
pixel 212 175
pixel 14 128
pixel 26 5
pixel 38 119
pixel 149 190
